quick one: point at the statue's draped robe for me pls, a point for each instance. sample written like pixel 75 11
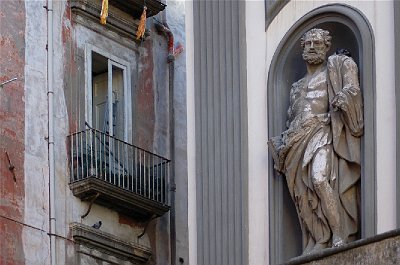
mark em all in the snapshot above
pixel 340 129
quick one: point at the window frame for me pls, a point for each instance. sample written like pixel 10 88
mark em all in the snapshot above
pixel 125 67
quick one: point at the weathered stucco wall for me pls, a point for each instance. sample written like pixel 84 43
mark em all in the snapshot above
pixel 148 65
pixel 36 241
pixel 24 203
pixel 12 122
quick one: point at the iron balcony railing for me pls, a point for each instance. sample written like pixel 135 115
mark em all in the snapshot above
pixel 95 154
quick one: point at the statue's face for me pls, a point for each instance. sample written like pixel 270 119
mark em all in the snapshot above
pixel 314 48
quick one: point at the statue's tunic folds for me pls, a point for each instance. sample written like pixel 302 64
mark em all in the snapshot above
pixel 338 131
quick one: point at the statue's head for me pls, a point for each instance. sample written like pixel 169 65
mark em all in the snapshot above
pixel 315 43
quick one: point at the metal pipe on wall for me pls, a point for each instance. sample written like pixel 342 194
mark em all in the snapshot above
pixel 50 94
pixel 171 61
pixel 163 28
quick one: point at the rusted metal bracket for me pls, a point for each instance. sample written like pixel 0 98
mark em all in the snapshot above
pixel 147 225
pixel 90 205
pixel 11 167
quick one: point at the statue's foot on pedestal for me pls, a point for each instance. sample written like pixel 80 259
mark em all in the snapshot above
pixel 337 241
pixel 308 249
pixel 316 248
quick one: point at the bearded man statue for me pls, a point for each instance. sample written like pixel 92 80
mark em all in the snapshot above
pixel 319 153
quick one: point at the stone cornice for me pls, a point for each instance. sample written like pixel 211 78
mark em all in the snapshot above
pixel 109 244
pixel 116 198
pixel 87 13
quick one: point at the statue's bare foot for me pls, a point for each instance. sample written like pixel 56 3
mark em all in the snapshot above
pixel 337 241
pixel 308 249
pixel 317 247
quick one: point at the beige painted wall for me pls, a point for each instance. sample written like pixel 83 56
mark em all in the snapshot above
pixel 191 137
pixel 257 131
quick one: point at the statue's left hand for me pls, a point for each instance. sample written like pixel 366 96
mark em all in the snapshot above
pixel 338 101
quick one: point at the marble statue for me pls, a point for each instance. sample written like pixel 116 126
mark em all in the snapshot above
pixel 319 153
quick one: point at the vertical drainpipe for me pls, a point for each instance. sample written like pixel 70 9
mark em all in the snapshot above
pixel 171 63
pixel 50 95
pixel 171 79
pixel 163 28
pixel 172 53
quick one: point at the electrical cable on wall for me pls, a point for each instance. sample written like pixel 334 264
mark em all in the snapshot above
pixel 8 81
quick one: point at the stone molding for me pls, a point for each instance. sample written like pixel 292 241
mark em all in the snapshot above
pixel 87 13
pixel 359 244
pixel 118 199
pixel 108 244
pixel 272 8
pixel 397 93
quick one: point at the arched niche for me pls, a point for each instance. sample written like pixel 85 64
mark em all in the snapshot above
pixel 349 30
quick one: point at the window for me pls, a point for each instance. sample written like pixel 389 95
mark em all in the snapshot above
pixel 108 94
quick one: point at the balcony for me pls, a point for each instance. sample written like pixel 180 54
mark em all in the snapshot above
pixel 123 15
pixel 135 7
pixel 132 7
pixel 118 175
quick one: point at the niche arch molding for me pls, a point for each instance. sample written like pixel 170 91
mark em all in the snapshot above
pixel 354 31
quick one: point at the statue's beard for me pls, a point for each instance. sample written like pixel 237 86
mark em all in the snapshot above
pixel 314 58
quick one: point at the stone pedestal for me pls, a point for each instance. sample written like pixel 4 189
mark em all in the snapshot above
pixel 380 249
